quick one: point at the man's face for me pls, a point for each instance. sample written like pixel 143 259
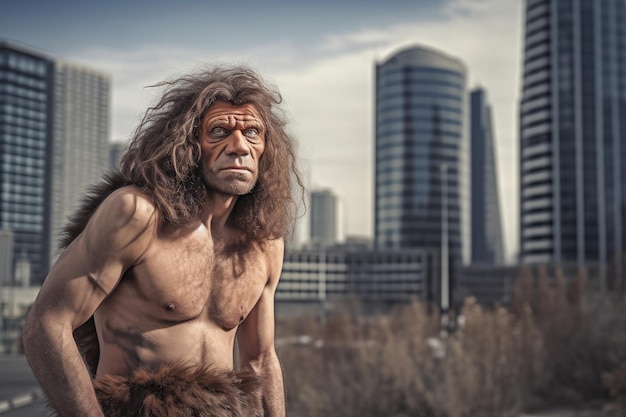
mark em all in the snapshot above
pixel 232 139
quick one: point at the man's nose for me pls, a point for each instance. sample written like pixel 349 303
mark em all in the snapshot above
pixel 237 144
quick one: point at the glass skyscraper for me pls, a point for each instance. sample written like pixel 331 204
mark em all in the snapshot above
pixel 573 131
pixel 487 245
pixel 26 109
pixel 421 152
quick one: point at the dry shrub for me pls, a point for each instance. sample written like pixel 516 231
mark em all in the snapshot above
pixel 551 347
pixel 391 365
pixel 582 336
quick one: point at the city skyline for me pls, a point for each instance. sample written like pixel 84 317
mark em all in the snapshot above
pixel 314 53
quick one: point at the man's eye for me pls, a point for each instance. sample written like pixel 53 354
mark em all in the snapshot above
pixel 219 132
pixel 252 134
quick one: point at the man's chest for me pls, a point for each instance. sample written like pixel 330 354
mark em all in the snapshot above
pixel 189 279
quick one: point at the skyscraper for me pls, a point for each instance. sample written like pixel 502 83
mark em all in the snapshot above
pixel 6 259
pixel 573 131
pixel 487 246
pixel 26 105
pixel 81 137
pixel 421 152
pixel 116 150
pixel 324 220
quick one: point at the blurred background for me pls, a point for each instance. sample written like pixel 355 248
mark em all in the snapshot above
pixel 462 250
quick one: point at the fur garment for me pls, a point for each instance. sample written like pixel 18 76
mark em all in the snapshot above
pixel 180 391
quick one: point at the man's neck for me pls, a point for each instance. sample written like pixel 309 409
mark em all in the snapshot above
pixel 217 209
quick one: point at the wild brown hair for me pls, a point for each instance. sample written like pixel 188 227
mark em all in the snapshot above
pixel 163 156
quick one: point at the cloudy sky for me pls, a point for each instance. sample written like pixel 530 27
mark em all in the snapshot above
pixel 320 54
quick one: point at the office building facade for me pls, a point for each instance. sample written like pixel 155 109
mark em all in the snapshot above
pixel 6 257
pixel 26 117
pixel 324 217
pixel 328 276
pixel 421 152
pixel 81 138
pixel 487 243
pixel 573 131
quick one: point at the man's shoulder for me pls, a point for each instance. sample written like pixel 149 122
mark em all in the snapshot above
pixel 274 251
pixel 129 205
pixel 274 246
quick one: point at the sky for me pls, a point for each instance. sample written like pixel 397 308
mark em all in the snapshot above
pixel 321 55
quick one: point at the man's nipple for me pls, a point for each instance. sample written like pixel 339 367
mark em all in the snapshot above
pixel 170 306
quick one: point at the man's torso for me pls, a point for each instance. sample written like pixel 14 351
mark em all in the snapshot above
pixel 182 302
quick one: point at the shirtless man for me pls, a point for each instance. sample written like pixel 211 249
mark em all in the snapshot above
pixel 173 259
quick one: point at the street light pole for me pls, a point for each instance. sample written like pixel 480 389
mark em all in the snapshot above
pixel 321 294
pixel 445 280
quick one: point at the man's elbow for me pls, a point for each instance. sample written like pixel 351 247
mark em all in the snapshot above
pixel 31 332
pixel 35 331
pixel 262 361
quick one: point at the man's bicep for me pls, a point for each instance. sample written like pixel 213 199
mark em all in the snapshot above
pixel 93 264
pixel 74 289
pixel 256 333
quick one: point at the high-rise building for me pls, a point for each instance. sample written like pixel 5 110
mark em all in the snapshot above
pixel 324 221
pixel 26 109
pixel 6 258
pixel 487 244
pixel 421 152
pixel 573 131
pixel 116 150
pixel 81 138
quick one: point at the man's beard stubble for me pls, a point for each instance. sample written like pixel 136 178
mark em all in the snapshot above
pixel 235 185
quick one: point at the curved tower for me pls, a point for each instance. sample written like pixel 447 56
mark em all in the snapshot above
pixel 421 152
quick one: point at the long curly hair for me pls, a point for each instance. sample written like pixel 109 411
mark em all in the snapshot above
pixel 163 156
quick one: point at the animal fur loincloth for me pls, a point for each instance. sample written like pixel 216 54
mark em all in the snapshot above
pixel 180 391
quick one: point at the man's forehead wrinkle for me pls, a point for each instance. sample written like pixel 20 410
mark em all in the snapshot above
pixel 230 118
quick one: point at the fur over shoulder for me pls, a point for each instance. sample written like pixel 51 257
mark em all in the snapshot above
pixel 94 196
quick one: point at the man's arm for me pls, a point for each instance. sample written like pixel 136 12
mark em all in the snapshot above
pixel 256 339
pixel 85 274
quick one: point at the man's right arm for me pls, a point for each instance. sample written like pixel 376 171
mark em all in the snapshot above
pixel 86 273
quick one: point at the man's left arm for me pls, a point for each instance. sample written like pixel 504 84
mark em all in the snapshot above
pixel 256 338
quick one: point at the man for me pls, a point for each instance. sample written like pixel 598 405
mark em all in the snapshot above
pixel 173 259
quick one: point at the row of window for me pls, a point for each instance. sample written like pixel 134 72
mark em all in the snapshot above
pixel 22 122
pixel 425 111
pixel 420 99
pixel 30 219
pixel 23 63
pixel 30 189
pixel 11 158
pixel 23 92
pixel 425 122
pixel 20 179
pixel 23 103
pixel 358 258
pixel 23 112
pixel 18 226
pixel 399 72
pixel 21 203
pixel 8 167
pixel 33 153
pixel 419 88
pixel 23 136
pixel 23 80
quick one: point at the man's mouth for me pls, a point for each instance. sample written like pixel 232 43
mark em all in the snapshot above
pixel 236 169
